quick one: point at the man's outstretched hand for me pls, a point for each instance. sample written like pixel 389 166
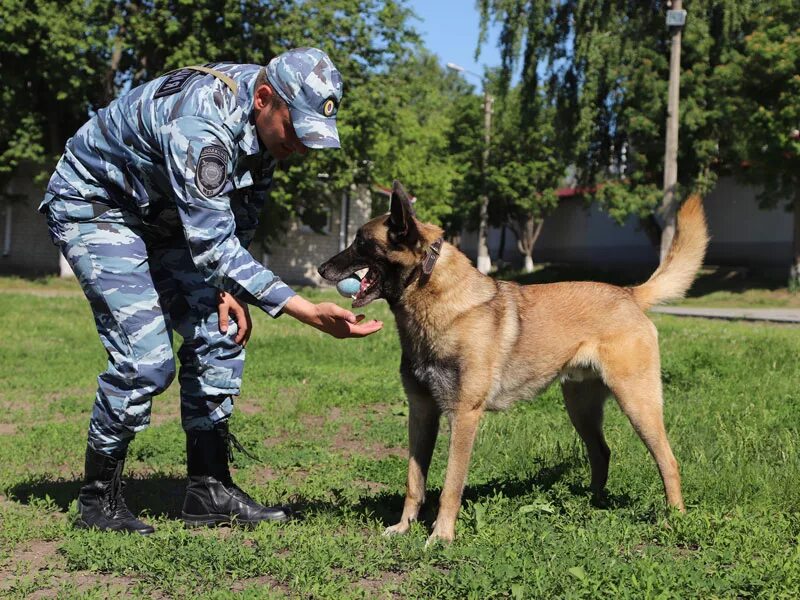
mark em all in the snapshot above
pixel 330 318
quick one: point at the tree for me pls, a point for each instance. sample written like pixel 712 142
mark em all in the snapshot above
pixel 62 60
pixel 525 169
pixel 763 100
pixel 52 57
pixel 608 60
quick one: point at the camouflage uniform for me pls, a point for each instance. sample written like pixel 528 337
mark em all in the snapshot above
pixel 153 204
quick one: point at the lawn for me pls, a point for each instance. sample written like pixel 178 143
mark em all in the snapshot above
pixel 327 420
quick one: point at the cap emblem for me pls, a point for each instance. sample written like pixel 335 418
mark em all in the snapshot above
pixel 329 107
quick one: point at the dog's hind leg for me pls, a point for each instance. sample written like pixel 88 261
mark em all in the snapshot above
pixel 584 401
pixel 635 380
pixel 423 428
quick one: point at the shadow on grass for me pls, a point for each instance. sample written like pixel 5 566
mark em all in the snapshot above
pixel 161 496
pixel 156 495
pixel 710 279
pixel 387 506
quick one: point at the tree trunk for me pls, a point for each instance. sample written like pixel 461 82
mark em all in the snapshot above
pixel 794 271
pixel 528 263
pixel 527 235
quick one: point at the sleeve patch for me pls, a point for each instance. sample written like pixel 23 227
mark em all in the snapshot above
pixel 211 170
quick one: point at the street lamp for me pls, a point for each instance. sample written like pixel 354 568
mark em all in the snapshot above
pixel 484 262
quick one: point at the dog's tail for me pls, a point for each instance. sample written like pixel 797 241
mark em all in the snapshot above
pixel 675 274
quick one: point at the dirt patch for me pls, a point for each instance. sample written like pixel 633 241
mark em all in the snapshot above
pixel 8 429
pixel 346 440
pixel 387 579
pixel 248 406
pixel 261 582
pixel 386 410
pixel 314 423
pixel 30 411
pixel 372 487
pixel 166 408
pixel 348 443
pixel 264 474
pixel 42 560
pixel 279 439
pixel 36 554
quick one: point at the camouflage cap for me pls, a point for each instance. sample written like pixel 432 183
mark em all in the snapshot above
pixel 312 88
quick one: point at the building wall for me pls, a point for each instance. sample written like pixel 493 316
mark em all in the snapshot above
pixel 25 246
pixel 741 234
pixel 297 257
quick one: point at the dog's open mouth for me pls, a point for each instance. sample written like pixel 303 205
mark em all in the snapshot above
pixel 369 290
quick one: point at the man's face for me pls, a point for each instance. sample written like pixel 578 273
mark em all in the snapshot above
pixel 274 125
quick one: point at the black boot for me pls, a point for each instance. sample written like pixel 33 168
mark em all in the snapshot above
pixel 100 501
pixel 211 497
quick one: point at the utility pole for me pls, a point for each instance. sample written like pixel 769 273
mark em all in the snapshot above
pixel 676 18
pixel 484 261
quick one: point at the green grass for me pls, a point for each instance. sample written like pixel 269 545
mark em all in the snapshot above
pixel 327 420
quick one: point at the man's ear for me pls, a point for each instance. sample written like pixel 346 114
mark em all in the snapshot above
pixel 263 96
pixel 401 216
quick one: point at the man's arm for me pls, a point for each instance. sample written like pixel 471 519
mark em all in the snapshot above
pixel 199 160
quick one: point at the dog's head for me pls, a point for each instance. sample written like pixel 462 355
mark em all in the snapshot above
pixel 391 246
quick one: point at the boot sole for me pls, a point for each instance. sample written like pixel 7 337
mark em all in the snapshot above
pixel 84 526
pixel 220 520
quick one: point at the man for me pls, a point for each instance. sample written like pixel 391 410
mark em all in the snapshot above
pixel 153 203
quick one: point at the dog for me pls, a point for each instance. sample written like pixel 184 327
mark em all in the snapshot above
pixel 471 344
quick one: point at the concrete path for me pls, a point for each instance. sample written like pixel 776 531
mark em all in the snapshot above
pixel 775 315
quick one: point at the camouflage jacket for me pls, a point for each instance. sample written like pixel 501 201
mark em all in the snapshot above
pixel 184 141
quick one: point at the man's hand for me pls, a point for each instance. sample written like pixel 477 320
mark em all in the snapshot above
pixel 330 318
pixel 228 306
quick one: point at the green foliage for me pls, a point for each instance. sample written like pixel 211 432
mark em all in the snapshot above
pixel 526 165
pixel 762 79
pixel 52 60
pixel 607 63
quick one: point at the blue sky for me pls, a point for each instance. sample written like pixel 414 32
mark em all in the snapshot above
pixel 450 30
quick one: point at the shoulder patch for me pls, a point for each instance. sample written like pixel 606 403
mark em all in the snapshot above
pixel 177 80
pixel 211 171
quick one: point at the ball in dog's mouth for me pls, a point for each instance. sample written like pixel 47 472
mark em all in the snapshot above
pixel 349 286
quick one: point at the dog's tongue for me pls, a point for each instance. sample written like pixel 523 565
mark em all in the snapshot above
pixel 364 284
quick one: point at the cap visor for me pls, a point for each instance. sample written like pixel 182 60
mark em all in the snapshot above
pixel 315 132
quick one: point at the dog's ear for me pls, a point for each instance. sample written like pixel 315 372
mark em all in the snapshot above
pixel 401 216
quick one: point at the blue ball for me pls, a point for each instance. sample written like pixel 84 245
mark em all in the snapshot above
pixel 349 287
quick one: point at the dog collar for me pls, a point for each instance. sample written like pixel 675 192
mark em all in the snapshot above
pixel 431 256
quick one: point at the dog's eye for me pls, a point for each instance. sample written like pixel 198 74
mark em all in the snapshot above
pixel 361 244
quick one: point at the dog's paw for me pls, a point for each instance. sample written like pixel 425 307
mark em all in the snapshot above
pixel 398 529
pixel 439 535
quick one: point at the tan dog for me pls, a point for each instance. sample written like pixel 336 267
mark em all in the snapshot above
pixel 471 343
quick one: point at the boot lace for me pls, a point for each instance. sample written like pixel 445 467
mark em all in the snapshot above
pixel 232 442
pixel 115 501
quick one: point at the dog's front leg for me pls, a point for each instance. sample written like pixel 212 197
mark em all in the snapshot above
pixel 463 427
pixel 423 427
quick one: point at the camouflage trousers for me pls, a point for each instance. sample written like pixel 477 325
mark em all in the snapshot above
pixel 141 284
